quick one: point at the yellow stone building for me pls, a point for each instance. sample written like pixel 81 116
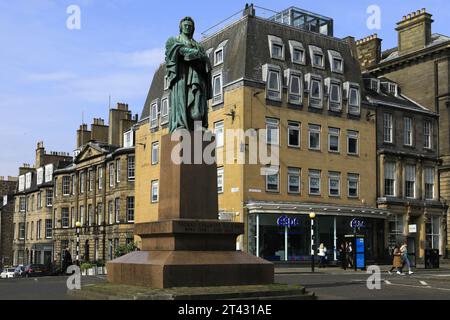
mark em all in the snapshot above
pixel 297 90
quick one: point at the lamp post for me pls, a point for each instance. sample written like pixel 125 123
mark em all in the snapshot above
pixel 78 227
pixel 312 216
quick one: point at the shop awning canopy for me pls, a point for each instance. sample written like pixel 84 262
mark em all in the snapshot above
pixel 319 209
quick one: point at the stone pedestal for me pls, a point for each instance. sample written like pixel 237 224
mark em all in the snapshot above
pixel 188 246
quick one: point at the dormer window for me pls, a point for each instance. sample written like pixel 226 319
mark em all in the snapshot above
pixel 166 83
pixel 336 61
pixel 297 52
pixel 334 90
pixel 165 110
pixel 272 77
pixel 220 53
pixel 217 89
pixel 392 88
pixel 353 96
pixel 276 46
pixel 128 139
pixel 375 85
pixel 314 85
pixel 317 57
pixel 154 115
pixel 294 80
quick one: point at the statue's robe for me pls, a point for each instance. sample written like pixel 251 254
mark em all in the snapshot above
pixel 188 72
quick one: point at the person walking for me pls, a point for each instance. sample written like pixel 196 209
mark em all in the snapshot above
pixel 322 255
pixel 349 251
pixel 343 256
pixel 405 259
pixel 397 261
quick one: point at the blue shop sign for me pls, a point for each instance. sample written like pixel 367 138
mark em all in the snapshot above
pixel 285 221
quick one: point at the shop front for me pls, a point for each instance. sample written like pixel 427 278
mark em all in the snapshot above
pixel 284 235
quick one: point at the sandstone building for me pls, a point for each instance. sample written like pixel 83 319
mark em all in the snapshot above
pixel 8 188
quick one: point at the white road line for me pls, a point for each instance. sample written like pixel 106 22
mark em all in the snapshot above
pixel 387 282
pixel 423 283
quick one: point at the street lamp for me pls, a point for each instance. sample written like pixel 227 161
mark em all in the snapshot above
pixel 78 227
pixel 312 216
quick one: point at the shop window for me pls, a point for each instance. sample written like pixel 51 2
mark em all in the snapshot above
pixel 433 233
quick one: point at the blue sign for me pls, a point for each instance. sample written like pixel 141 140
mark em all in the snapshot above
pixel 359 245
pixel 360 261
pixel 355 223
pixel 285 221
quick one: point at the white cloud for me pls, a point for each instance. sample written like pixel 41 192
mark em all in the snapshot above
pixel 51 76
pixel 145 58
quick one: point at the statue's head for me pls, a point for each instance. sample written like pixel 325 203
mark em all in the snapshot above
pixel 187 26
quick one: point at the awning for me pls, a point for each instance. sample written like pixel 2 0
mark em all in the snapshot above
pixel 42 247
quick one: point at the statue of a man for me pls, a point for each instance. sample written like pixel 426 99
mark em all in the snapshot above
pixel 188 71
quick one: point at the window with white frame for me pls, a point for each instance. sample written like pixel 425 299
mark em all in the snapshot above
pixel 429 183
pixel 74 184
pixel 22 204
pixel 353 97
pixel 82 216
pixel 91 180
pixel 155 191
pixel 389 179
pixel 353 185
pixel 273 179
pixel 154 115
pixel 90 215
pixel 111 175
pixel 166 83
pixel 219 133
pixel 427 134
pixel 352 142
pixel 155 153
pixel 375 85
pixel 272 77
pixel 276 46
pixel 118 170
pixel 407 131
pixel 38 229
pixel 130 167
pixel 128 139
pixel 28 177
pixel 130 209
pixel 48 228
pixel 432 230
pixel 21 231
pixel 218 56
pixel 117 209
pixel 82 182
pixel 40 176
pixel 21 183
pixel 334 184
pixel 110 212
pixel 314 137
pixel 66 185
pixel 336 61
pixel 317 57
pixel 298 55
pixel 100 178
pixel 217 88
pixel 334 94
pixel 65 217
pixel 333 139
pixel 294 180
pixel 73 217
pixel 49 173
pixel 272 131
pixel 314 182
pixel 294 81
pixel 410 181
pixel 165 110
pixel 49 197
pixel 387 128
pixel 314 85
pixel 294 134
pixel 220 181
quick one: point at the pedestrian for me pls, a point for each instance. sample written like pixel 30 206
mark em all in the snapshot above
pixel 67 260
pixel 349 251
pixel 322 255
pixel 405 259
pixel 397 261
pixel 343 256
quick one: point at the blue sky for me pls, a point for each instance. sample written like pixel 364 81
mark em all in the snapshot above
pixel 50 75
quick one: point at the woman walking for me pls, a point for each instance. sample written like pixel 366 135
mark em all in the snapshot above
pixel 405 259
pixel 322 255
pixel 397 261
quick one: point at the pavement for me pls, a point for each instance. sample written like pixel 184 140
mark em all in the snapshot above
pixel 330 283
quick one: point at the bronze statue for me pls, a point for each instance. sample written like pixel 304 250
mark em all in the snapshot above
pixel 188 71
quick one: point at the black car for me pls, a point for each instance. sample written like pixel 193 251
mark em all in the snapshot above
pixel 35 270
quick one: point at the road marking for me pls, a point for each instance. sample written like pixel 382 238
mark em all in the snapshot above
pixel 387 282
pixel 423 283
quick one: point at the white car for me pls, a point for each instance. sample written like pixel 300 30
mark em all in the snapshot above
pixel 7 273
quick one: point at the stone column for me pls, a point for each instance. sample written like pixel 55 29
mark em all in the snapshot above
pixel 420 185
pixel 399 181
pixel 382 159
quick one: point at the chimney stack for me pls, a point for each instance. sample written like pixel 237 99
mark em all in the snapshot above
pixel 99 132
pixel 414 31
pixel 40 153
pixel 369 51
pixel 83 136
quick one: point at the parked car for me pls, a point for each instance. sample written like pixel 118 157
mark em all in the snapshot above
pixel 7 273
pixel 35 270
pixel 19 271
